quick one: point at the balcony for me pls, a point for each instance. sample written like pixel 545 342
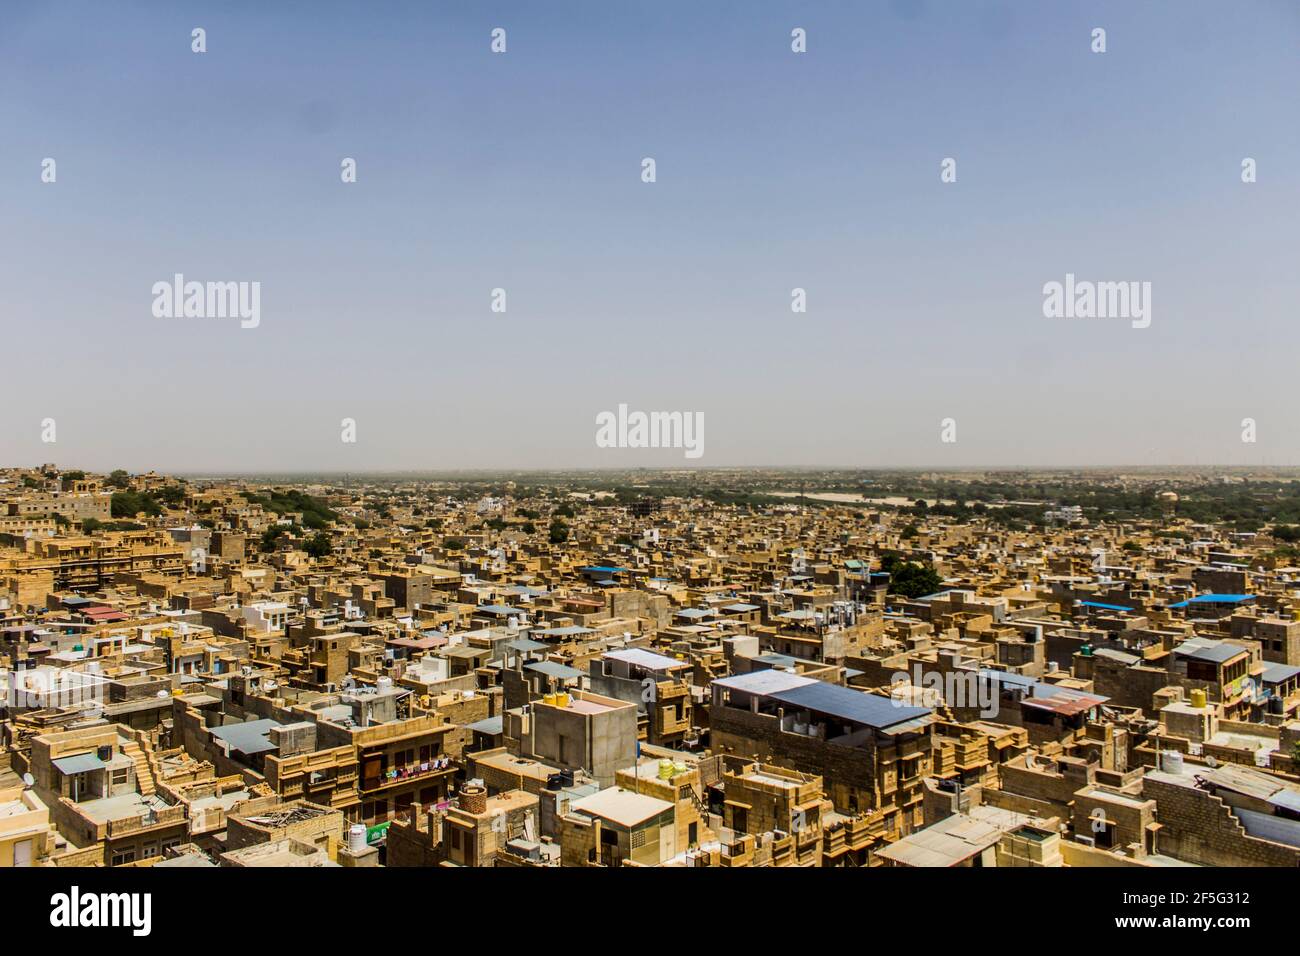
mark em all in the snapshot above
pixel 423 771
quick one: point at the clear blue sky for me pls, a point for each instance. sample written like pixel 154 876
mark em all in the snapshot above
pixel 775 170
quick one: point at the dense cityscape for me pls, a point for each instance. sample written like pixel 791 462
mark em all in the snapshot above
pixel 714 668
pixel 452 440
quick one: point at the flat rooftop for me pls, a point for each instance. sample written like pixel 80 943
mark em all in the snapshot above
pixel 622 807
pixel 121 807
pixel 510 763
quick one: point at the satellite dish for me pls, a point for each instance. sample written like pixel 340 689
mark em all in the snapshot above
pixel 1211 762
pixel 28 780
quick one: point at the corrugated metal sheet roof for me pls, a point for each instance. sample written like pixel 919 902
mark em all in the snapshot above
pixel 1268 827
pixel 552 669
pixel 78 763
pixel 851 705
pixel 1215 652
pixel 1062 700
pixel 1215 599
pixel 763 682
pixel 250 737
pixel 647 659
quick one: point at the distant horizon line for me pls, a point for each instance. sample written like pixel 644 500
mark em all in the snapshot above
pixel 663 469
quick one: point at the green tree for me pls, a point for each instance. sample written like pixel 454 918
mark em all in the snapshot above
pixel 271 539
pixel 319 545
pixel 913 580
pixel 127 504
pixel 173 496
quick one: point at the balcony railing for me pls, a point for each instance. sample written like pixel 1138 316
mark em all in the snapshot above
pixel 421 771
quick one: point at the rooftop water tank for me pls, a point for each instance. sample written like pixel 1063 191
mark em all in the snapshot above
pixel 357 838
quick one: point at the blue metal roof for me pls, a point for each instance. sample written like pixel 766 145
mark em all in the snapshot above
pixel 851 705
pixel 1215 599
pixel 1105 607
